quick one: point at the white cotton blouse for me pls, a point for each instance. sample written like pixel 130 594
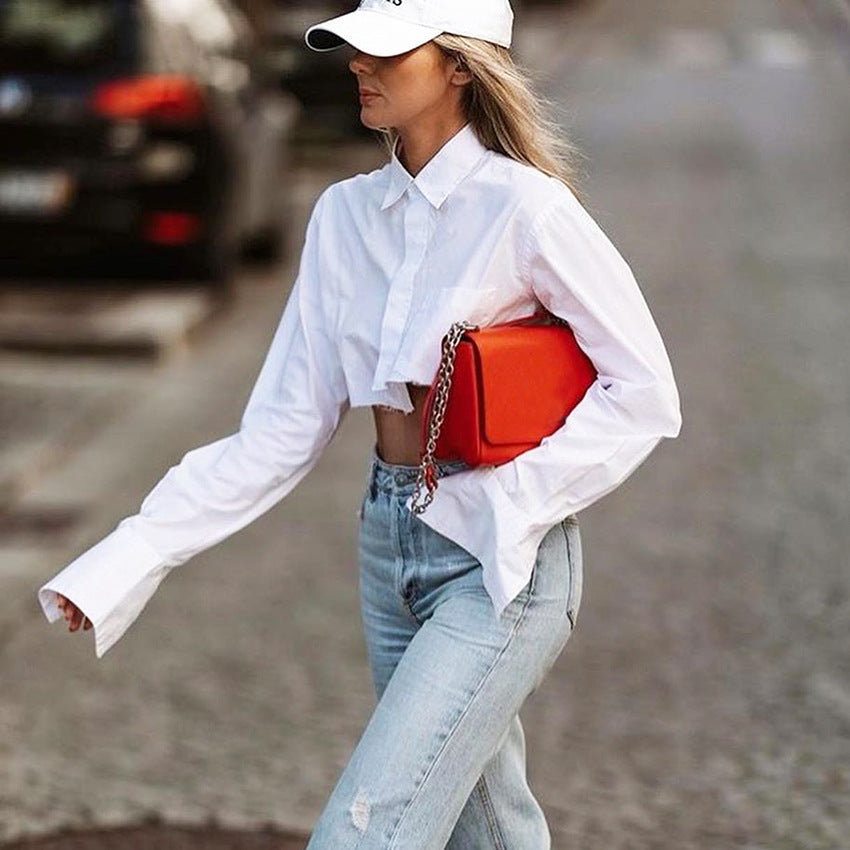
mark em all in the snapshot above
pixel 389 262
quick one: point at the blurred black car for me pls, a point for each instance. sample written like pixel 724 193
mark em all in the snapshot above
pixel 141 130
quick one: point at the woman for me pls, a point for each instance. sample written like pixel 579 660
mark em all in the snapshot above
pixel 467 605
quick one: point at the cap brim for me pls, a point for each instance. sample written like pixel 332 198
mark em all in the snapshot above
pixel 371 32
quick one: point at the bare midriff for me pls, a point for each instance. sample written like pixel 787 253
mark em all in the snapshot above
pixel 398 433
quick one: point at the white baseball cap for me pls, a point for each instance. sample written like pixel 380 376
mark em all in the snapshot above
pixel 390 27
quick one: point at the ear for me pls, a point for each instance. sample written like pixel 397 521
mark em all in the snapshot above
pixel 461 75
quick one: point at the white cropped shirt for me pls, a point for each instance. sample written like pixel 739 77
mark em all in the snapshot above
pixel 389 262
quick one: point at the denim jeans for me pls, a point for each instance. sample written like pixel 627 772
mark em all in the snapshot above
pixel 441 762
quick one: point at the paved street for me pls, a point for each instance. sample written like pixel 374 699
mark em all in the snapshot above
pixel 704 701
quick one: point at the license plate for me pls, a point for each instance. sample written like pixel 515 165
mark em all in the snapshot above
pixel 35 193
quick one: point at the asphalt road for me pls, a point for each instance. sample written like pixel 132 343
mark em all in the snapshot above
pixel 704 701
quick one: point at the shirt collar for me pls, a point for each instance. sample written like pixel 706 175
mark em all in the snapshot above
pixel 436 180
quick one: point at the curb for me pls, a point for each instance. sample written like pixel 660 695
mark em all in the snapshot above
pixel 165 837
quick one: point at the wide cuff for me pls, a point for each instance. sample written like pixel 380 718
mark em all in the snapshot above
pixel 505 543
pixel 110 583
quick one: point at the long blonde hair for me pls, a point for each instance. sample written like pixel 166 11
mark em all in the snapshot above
pixel 506 112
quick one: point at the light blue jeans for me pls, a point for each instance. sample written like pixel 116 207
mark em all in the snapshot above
pixel 441 762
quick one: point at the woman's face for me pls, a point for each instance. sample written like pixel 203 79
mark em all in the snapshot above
pixel 402 91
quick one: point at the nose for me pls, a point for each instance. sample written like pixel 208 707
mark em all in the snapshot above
pixel 361 63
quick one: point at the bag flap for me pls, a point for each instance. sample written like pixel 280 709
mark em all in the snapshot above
pixel 531 378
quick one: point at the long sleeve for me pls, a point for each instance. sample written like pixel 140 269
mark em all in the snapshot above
pixel 296 406
pixel 576 273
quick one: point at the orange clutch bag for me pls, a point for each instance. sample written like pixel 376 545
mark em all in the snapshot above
pixel 498 392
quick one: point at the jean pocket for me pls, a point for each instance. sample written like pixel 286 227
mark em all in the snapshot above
pixel 572 533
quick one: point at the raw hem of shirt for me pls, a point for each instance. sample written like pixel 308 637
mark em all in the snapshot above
pixel 110 583
pixel 393 390
pixel 398 401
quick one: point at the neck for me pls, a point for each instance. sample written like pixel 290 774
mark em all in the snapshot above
pixel 418 144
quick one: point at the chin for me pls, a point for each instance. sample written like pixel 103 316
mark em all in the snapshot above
pixel 371 121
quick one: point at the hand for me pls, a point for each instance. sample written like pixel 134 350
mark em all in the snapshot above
pixel 72 614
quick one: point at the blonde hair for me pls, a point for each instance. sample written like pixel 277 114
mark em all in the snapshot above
pixel 506 112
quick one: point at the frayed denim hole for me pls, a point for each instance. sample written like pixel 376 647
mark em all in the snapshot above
pixel 360 810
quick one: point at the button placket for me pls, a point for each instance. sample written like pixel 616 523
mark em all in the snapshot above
pixel 400 295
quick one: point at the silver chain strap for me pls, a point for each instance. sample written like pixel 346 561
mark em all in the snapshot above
pixel 427 474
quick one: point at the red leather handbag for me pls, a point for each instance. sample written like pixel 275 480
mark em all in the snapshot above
pixel 498 392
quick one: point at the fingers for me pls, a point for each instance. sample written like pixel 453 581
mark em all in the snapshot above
pixel 73 615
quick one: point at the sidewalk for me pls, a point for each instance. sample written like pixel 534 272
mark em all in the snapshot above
pixel 52 406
